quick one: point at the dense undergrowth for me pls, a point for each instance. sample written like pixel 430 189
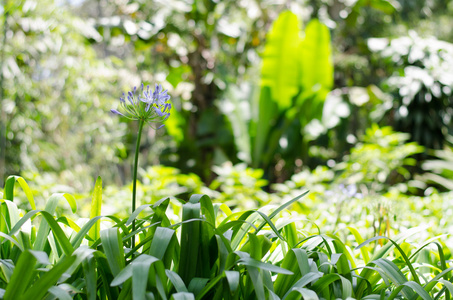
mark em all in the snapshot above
pixel 201 249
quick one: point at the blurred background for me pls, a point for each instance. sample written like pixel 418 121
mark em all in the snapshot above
pixel 360 87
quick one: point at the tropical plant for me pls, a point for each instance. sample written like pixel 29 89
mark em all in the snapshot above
pixel 296 75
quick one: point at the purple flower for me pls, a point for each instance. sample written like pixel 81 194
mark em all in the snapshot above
pixel 139 103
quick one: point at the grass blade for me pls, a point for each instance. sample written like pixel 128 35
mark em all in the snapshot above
pixel 22 274
pixel 42 285
pixel 113 249
pixel 96 204
pixel 59 293
pixel 140 273
pixel 305 293
pixel 182 296
pixel 233 278
pixel 58 233
pixel 9 189
pixel 281 208
pixel 89 270
pixel 190 242
pixel 160 242
pixel 176 281
pixel 248 261
pixel 51 205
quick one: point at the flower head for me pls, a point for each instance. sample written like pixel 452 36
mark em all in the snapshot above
pixel 145 105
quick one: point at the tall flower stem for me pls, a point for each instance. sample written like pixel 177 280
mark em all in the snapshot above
pixel 134 183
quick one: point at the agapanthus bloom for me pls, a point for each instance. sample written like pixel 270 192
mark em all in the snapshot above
pixel 145 105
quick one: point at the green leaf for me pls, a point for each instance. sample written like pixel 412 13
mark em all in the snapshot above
pixel 9 189
pixel 96 203
pixel 248 261
pixel 182 296
pixel 59 293
pixel 136 213
pixel 113 249
pixel 51 205
pixel 176 281
pixel 23 273
pixel 42 285
pixel 283 282
pixel 271 225
pixel 364 250
pixel 233 279
pixel 12 240
pixel 305 293
pixel 280 68
pixel 106 286
pixel 160 242
pixel 257 246
pixel 77 239
pixel 447 284
pixel 386 6
pixel 310 277
pixel 366 273
pixel 89 270
pixel 10 214
pixel 224 248
pixel 58 233
pixel 316 61
pixel 140 273
pixel 262 124
pixel 418 289
pixel 281 208
pixel 22 221
pixel 395 275
pixel 190 242
pixel 322 285
pixel 280 73
pixel 255 276
pixel 197 284
pixel 206 288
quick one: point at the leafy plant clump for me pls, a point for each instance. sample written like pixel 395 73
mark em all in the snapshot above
pixel 209 253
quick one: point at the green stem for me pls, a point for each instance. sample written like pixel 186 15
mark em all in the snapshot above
pixel 134 183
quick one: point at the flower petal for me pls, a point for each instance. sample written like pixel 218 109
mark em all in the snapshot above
pixel 158 111
pixel 117 112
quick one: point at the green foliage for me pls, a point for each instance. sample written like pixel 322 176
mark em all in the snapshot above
pixel 240 185
pixel 61 61
pixel 161 181
pixel 210 253
pixel 373 181
pixel 292 92
pixel 381 160
pixel 53 94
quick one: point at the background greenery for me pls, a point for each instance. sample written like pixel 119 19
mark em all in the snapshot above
pixel 251 81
